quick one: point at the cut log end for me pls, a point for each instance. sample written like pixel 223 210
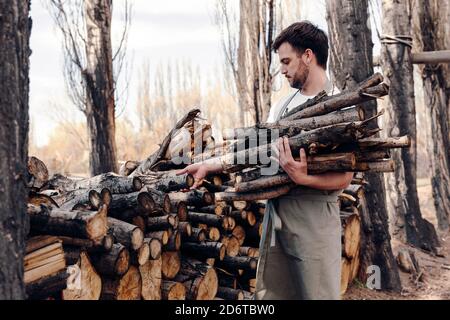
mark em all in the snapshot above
pixel 137 238
pixel 173 291
pixel 137 184
pixel 97 227
pixel 146 201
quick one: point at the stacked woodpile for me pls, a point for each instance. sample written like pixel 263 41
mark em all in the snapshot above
pixel 117 237
pixel 144 234
pixel 351 205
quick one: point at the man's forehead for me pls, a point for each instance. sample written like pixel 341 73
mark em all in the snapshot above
pixel 286 51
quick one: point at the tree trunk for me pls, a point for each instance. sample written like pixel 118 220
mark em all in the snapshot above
pixel 253 78
pixel 100 109
pixel 436 81
pixel 351 63
pixel 15 29
pixel 401 120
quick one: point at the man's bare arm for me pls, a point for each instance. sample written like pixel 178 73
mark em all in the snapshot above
pixel 328 181
pixel 298 171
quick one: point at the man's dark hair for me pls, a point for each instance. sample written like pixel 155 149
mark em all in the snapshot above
pixel 304 35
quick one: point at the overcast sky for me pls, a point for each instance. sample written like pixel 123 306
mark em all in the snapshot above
pixel 161 31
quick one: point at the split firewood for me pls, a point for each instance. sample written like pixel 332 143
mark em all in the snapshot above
pixel 44 257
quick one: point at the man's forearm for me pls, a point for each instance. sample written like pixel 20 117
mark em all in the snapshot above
pixel 327 181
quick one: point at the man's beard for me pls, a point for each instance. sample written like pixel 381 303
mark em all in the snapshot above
pixel 299 81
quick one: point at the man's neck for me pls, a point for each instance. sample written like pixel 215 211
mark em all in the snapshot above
pixel 315 83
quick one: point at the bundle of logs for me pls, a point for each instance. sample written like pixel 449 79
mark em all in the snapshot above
pixel 143 234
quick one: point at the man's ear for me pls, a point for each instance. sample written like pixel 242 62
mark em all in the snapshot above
pixel 309 56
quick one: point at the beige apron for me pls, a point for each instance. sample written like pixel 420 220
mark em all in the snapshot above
pixel 300 248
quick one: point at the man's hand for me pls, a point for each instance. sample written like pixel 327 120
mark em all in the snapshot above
pixel 297 170
pixel 198 171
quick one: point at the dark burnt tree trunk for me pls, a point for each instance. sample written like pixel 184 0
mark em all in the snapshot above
pixel 431 35
pixel 350 63
pixel 100 108
pixel 15 29
pixel 401 120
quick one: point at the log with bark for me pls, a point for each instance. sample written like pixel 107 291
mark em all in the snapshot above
pixel 215 250
pixel 162 223
pixel 135 203
pixel 113 263
pixel 193 198
pixel 79 224
pixel 125 233
pixel 168 182
pixel 115 183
